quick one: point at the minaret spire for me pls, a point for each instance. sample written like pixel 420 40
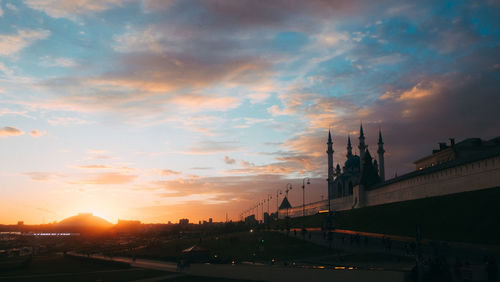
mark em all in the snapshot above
pixel 349 147
pixel 381 152
pixel 362 147
pixel 330 151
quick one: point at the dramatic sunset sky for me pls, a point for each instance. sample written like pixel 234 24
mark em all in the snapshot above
pixel 159 110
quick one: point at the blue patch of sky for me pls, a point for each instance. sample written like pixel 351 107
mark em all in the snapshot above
pixel 289 41
pixel 66 41
pixel 23 18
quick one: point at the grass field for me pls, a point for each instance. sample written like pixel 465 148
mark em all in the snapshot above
pixel 262 246
pixel 259 245
pixel 464 217
pixel 59 268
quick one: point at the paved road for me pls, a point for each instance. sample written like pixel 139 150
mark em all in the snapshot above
pixel 399 245
pixel 141 263
pixel 262 272
pixel 282 274
pixel 346 240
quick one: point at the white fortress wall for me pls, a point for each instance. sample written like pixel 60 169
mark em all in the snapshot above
pixel 467 177
pixel 310 209
pixel 472 176
pixel 340 204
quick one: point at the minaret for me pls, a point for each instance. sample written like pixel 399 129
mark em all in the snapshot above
pixel 349 147
pixel 330 164
pixel 381 152
pixel 362 148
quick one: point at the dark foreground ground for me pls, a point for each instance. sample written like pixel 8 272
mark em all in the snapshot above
pixel 59 268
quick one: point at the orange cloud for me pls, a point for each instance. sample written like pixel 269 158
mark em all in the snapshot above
pixel 73 8
pixel 109 167
pixel 43 176
pixel 36 133
pixel 108 178
pixel 168 172
pixel 228 160
pixel 196 102
pixel 420 91
pixel 10 131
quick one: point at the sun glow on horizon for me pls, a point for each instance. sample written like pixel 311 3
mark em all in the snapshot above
pixel 146 110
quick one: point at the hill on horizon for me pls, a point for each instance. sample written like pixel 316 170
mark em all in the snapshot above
pixel 85 220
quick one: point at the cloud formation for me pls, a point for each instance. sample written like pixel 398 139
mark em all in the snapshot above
pixel 73 8
pixel 168 172
pixel 10 131
pixel 36 133
pixel 183 91
pixel 105 178
pixel 228 160
pixel 10 44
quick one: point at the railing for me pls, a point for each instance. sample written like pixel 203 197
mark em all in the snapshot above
pixel 310 209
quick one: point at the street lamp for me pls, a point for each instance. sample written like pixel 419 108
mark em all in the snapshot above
pixel 288 188
pixel 304 195
pixel 262 208
pixel 269 197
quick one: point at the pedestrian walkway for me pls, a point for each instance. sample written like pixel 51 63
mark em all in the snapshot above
pixel 467 259
pixel 262 272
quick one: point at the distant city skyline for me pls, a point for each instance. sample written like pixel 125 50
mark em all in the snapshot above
pixel 161 110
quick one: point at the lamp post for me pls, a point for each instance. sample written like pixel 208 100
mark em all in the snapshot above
pixel 304 195
pixel 256 207
pixel 288 188
pixel 262 208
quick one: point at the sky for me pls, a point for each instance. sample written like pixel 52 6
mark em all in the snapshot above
pixel 157 110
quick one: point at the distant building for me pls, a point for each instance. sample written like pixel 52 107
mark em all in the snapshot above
pixel 267 218
pixel 463 151
pixel 184 221
pixel 20 223
pixel 128 225
pixel 128 222
pixel 251 219
pixel 210 220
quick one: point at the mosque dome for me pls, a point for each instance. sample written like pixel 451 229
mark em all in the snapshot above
pixel 352 162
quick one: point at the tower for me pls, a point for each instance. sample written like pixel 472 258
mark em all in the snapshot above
pixel 381 152
pixel 362 148
pixel 330 151
pixel 349 147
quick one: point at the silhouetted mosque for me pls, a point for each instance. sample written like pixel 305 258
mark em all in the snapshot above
pixel 469 165
pixel 362 169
